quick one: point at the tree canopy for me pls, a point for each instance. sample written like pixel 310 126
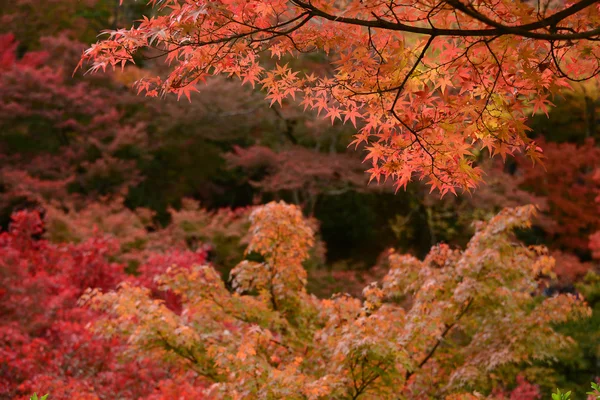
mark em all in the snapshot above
pixel 426 82
pixel 443 327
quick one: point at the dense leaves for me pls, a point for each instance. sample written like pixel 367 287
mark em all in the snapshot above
pixel 467 317
pixel 58 135
pixel 44 341
pixel 116 186
pixel 428 82
pixel 304 173
pixel 567 181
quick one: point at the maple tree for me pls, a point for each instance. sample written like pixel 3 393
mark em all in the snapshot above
pixel 575 116
pixel 70 140
pixel 432 89
pixel 218 234
pixel 439 327
pixel 577 368
pixel 59 135
pixel 44 342
pixel 77 19
pixel 595 237
pixel 428 81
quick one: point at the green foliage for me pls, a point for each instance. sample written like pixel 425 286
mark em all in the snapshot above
pixel 561 396
pixel 595 391
pixel 594 394
pixel 580 365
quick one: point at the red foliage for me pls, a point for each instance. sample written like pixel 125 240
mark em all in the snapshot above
pixel 304 173
pixel 299 168
pixel 8 58
pixel 156 264
pixel 58 131
pixel 44 343
pixel 422 106
pixel 595 244
pixel 523 391
pixel 566 179
pixel 569 269
pixel 595 237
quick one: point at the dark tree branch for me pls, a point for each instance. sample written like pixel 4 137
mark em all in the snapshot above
pixel 526 30
pixel 440 339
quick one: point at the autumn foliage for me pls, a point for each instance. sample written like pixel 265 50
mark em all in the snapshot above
pixel 235 247
pixel 60 135
pixel 567 180
pixel 426 84
pixel 45 344
pixel 304 173
pixel 446 325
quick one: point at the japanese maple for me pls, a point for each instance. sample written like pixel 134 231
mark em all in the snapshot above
pixel 594 243
pixel 44 342
pixel 193 229
pixel 448 325
pixel 426 82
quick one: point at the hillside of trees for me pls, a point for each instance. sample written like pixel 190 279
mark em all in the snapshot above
pixel 271 199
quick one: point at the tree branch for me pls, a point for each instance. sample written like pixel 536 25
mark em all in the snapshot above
pixel 498 29
pixel 440 339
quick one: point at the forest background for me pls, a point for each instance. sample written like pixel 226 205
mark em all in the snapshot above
pixel 118 179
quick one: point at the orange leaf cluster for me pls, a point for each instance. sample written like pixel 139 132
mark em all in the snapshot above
pixel 437 328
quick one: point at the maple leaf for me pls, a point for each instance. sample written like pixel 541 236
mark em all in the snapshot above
pixel 351 115
pixel 443 82
pixel 301 343
pixel 275 96
pixel 333 113
pixel 321 104
pixel 541 104
pixel 187 91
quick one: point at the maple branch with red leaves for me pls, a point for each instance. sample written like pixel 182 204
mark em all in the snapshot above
pixel 470 87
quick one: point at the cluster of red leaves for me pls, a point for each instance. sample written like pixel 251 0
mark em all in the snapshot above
pixel 155 266
pixel 523 391
pixel 595 244
pixel 44 343
pixel 567 180
pixel 57 131
pixel 595 237
pixel 8 57
pixel 569 268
